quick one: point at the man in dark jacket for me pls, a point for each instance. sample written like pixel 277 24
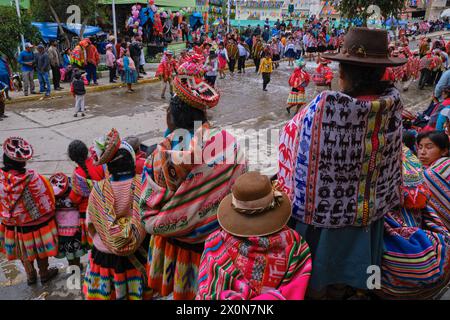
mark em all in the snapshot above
pixel 42 64
pixel 135 52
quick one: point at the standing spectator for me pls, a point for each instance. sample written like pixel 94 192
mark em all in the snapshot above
pixel 223 60
pixel 5 75
pixel 135 52
pixel 79 92
pixel 3 88
pixel 55 64
pixel 111 62
pixel 129 75
pixel 42 62
pixel 92 59
pixel 26 59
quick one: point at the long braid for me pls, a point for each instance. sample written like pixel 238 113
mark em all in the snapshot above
pixel 83 166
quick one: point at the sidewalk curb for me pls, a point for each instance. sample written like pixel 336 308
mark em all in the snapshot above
pixel 90 89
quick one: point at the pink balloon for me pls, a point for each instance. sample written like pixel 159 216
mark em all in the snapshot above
pixel 154 8
pixel 133 8
pixel 140 33
pixel 151 2
pixel 139 7
pixel 136 14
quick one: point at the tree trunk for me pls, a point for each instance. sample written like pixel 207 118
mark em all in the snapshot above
pixel 55 16
pixel 83 27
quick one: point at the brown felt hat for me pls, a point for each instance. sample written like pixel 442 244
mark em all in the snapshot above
pixel 366 47
pixel 254 209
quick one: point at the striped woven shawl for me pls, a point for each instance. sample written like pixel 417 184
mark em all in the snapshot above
pixel 181 201
pixel 437 177
pixel 122 236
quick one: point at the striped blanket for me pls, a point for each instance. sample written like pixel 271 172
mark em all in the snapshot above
pixel 340 159
pixel 122 236
pixel 242 269
pixel 416 260
pixel 179 203
pixel 437 176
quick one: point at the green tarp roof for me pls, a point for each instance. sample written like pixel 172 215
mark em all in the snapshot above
pixel 161 3
pixel 23 3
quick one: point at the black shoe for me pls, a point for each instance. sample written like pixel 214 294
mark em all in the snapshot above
pixel 34 92
pixel 82 114
pixel 288 110
pixel 75 115
pixel 58 89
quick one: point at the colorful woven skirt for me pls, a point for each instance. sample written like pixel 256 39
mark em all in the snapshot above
pixel 76 246
pixel 33 242
pixel 174 269
pixel 296 98
pixel 111 277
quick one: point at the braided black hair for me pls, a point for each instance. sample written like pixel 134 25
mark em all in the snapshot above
pixel 122 165
pixel 10 164
pixel 184 116
pixel 363 79
pixel 78 153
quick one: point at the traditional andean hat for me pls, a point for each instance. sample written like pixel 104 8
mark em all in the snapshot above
pixel 17 149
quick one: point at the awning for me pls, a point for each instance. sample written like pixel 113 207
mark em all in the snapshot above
pixel 88 31
pixel 25 4
pixel 49 30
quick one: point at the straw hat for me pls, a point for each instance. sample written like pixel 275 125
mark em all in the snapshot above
pixel 254 209
pixel 366 47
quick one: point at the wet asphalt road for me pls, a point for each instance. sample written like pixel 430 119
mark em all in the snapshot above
pixel 50 126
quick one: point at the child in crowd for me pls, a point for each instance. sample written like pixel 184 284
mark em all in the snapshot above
pixel 166 71
pixel 211 67
pixel 68 221
pixel 111 62
pixel 78 90
pixel 266 68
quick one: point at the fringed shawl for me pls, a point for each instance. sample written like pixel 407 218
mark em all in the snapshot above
pixel 181 200
pixel 244 268
pixel 24 198
pixel 340 160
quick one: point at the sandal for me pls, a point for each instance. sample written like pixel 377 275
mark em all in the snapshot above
pixel 49 274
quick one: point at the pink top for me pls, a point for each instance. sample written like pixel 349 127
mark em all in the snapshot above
pixel 123 199
pixel 110 58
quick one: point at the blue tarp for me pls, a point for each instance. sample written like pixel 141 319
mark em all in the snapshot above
pixel 49 30
pixel 195 18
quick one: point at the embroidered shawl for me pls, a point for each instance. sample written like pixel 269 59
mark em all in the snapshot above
pixel 244 268
pixel 122 236
pixel 340 159
pixel 24 198
pixel 181 200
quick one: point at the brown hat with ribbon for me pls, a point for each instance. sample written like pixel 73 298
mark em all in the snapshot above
pixel 254 209
pixel 366 47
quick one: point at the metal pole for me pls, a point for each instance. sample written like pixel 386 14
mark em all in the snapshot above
pixel 228 15
pixel 20 21
pixel 114 20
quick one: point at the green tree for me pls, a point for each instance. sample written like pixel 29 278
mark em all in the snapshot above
pixel 358 8
pixel 11 29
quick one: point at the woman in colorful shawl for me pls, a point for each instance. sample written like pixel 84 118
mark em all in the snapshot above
pixel 254 255
pixel 28 229
pixel 298 82
pixel 185 179
pixel 116 265
pixel 416 258
pixel 433 152
pixel 340 164
pixel 83 177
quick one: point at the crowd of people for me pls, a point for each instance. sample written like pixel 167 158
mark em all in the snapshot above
pixel 361 181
